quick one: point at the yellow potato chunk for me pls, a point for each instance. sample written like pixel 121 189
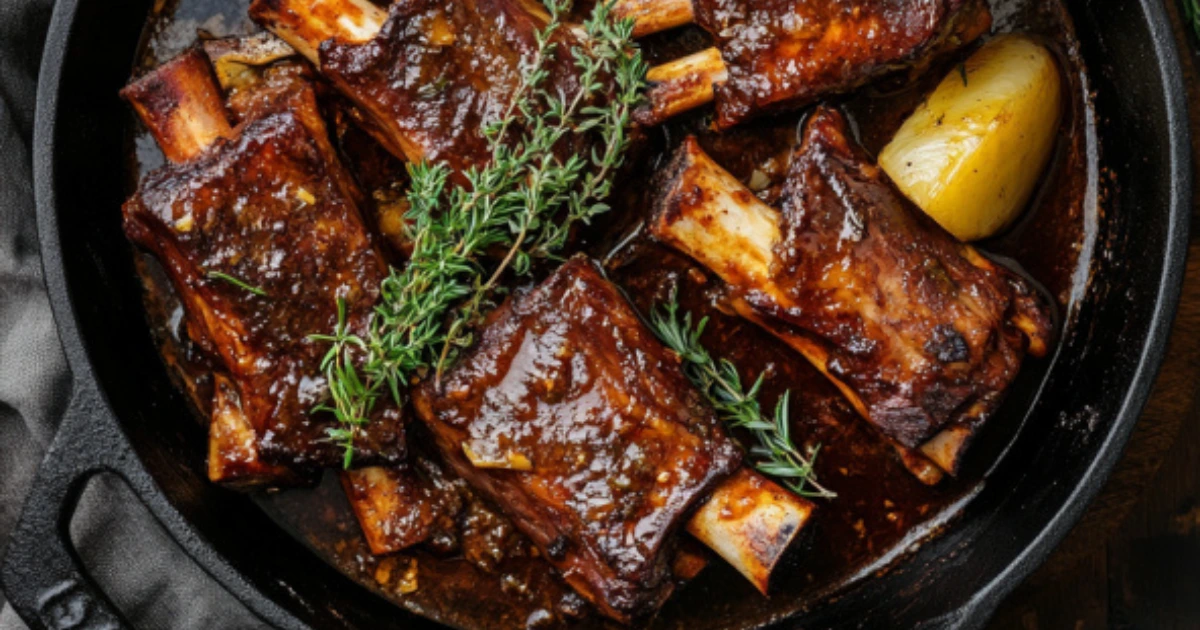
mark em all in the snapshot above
pixel 972 154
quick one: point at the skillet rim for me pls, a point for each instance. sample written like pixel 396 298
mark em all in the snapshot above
pixel 84 383
pixel 981 607
pixel 974 614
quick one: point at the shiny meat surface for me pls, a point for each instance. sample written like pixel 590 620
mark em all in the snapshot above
pixel 922 333
pixel 880 509
pixel 579 424
pixel 783 54
pixel 439 73
pixel 923 329
pixel 233 453
pixel 260 92
pixel 261 235
pixel 395 507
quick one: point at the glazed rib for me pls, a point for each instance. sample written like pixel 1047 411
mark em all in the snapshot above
pixel 567 414
pixel 781 55
pixel 572 417
pixel 237 60
pixel 233 452
pixel 428 77
pixel 260 234
pixel 395 507
pixel 921 333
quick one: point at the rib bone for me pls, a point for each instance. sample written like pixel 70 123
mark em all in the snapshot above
pixel 652 16
pixel 305 24
pixel 767 65
pixel 181 104
pixel 719 222
pixel 682 85
pixel 751 522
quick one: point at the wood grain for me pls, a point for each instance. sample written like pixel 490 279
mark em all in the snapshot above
pixel 1133 561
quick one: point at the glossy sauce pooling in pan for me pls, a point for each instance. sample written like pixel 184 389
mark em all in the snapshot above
pixel 490 576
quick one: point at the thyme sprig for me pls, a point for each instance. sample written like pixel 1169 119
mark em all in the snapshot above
pixel 237 282
pixel 774 454
pixel 524 202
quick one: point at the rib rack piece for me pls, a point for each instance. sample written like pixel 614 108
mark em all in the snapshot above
pixel 233 451
pixel 428 76
pixel 778 55
pixel 259 230
pixel 921 332
pixel 397 507
pixel 573 418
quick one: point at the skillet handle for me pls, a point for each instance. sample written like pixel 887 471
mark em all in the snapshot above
pixel 42 575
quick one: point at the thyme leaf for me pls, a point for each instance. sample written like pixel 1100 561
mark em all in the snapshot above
pixel 237 282
pixel 774 453
pixel 524 202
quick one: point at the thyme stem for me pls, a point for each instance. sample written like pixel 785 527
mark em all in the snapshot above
pixel 774 454
pixel 237 282
pixel 525 200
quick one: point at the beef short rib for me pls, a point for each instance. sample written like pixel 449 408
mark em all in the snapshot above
pixel 577 422
pixel 921 332
pixel 261 235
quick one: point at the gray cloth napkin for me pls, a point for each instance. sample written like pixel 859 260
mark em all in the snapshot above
pixel 125 551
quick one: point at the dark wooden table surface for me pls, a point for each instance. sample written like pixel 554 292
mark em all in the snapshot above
pixel 1133 561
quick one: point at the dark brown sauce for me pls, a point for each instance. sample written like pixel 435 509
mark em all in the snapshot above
pixel 881 512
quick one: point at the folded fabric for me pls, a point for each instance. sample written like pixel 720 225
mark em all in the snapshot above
pixel 126 552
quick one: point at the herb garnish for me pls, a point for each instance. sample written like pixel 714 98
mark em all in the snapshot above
pixel 523 202
pixel 775 454
pixel 237 282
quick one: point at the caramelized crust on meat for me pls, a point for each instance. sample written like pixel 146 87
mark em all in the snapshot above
pixel 239 62
pixel 261 234
pixel 233 453
pixel 395 507
pixel 783 54
pixel 920 326
pixel 438 73
pixel 263 91
pixel 573 418
pixel 922 333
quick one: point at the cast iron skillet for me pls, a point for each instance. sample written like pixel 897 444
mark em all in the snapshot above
pixel 126 418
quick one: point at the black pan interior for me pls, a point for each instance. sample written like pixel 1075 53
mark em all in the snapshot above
pixel 1076 423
